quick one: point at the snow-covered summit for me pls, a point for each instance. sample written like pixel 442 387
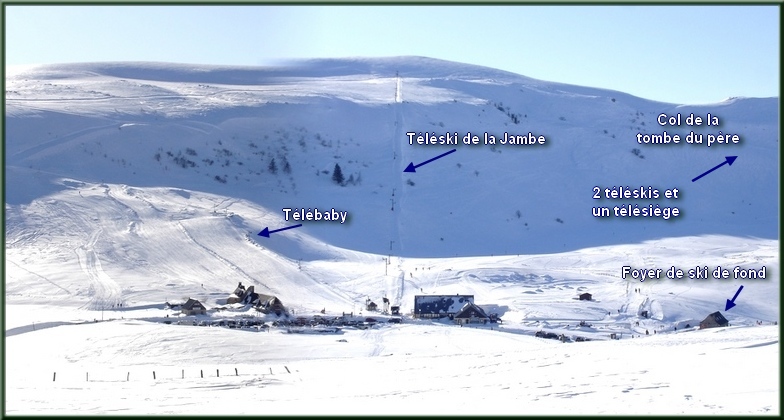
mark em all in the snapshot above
pixel 405 66
pixel 216 129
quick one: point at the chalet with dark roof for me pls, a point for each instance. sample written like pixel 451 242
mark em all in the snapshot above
pixel 269 304
pixel 470 313
pixel 586 296
pixel 714 320
pixel 263 303
pixel 439 306
pixel 240 294
pixel 193 307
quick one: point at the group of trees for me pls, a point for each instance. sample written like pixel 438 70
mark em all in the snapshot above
pixel 506 110
pixel 340 179
pixel 273 167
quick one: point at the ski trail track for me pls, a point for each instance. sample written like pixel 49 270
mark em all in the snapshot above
pixel 58 141
pixel 374 336
pixel 254 263
pixel 104 291
pixel 234 267
pixel 280 266
pixel 401 289
pixel 39 276
pixel 136 222
pixel 394 288
pixel 397 196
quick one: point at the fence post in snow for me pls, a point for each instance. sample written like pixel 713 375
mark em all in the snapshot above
pixel 183 374
pixel 270 371
pixel 54 376
pixel 202 373
pixel 217 371
pixel 287 369
pixel 128 377
pixel 88 376
pixel 236 373
pixel 153 374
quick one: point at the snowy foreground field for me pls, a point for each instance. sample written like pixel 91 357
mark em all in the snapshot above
pixel 65 360
pixel 405 369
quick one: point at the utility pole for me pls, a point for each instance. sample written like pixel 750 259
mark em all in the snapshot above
pixel 398 98
pixel 388 259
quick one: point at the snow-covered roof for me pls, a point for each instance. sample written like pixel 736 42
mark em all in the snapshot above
pixel 192 304
pixel 469 310
pixel 440 304
pixel 717 317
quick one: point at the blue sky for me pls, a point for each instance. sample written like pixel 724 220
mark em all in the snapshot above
pixel 681 54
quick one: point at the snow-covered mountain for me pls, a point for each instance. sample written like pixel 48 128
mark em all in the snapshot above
pixel 216 130
pixel 141 183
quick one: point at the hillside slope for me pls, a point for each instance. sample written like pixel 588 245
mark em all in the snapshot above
pixel 216 130
pixel 145 182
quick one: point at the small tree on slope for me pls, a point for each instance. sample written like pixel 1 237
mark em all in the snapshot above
pixel 337 175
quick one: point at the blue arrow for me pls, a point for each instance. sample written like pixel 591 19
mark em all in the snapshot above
pixel 731 303
pixel 412 168
pixel 266 232
pixel 729 160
